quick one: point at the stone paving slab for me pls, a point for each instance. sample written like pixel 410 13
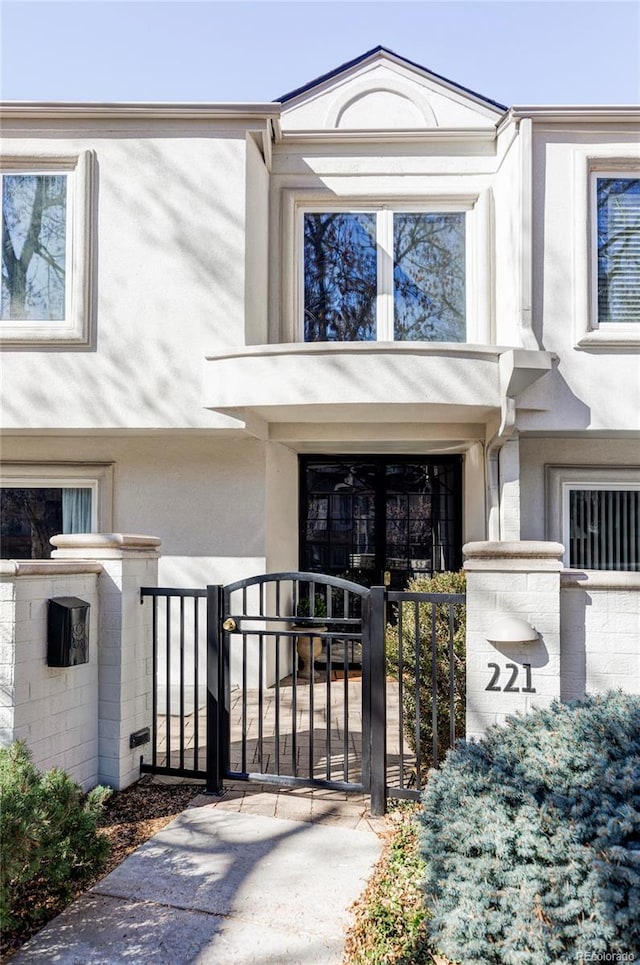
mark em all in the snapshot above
pixel 347 809
pixel 219 886
pixel 99 930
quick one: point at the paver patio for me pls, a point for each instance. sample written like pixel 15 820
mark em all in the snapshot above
pixel 325 743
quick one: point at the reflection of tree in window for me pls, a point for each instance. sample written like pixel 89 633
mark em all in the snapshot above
pixel 429 277
pixel 340 283
pixel 30 517
pixel 618 249
pixel 348 263
pixel 33 246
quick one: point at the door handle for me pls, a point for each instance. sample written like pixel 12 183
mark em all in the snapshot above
pixel 387 577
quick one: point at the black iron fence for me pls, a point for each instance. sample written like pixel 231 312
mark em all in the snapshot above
pixel 179 738
pixel 425 669
pixel 297 678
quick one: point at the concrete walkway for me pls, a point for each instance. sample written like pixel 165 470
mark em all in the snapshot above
pixel 226 883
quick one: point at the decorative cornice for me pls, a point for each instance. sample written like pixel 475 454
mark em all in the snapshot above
pixel 380 136
pixel 126 541
pixel 600 580
pixel 105 546
pixel 574 114
pixel 49 110
pixel 527 549
pixel 12 568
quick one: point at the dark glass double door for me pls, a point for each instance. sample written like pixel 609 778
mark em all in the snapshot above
pixel 380 519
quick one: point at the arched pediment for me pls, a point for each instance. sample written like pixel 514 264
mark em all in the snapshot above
pixel 389 104
pixel 381 91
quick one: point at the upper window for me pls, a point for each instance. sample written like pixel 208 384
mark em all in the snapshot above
pixel 34 247
pixel 384 275
pixel 45 249
pixel 618 250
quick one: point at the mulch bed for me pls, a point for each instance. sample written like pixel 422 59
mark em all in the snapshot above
pixel 130 818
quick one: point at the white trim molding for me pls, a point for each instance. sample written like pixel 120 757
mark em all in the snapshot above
pixel 75 330
pixel 614 161
pixel 476 205
pixel 560 480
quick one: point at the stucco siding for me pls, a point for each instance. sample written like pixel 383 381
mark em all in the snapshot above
pixel 168 283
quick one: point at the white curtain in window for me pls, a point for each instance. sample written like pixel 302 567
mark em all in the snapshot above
pixel 76 510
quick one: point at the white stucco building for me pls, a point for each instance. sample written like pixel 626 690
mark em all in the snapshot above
pixel 348 331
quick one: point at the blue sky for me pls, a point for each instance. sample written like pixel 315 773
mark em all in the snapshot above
pixel 542 52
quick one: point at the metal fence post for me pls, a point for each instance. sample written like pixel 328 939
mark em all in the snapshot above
pixel 215 694
pixel 378 685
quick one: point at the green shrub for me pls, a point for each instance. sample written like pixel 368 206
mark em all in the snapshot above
pixel 532 838
pixel 410 665
pixel 47 832
pixel 304 607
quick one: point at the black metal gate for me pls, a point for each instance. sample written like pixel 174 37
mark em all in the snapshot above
pixel 305 679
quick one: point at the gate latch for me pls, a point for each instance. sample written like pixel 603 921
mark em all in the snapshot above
pixel 229 625
pixel 387 577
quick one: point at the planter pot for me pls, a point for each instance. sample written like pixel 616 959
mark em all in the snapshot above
pixel 309 647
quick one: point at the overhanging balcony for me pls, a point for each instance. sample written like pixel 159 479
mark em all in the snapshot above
pixel 367 381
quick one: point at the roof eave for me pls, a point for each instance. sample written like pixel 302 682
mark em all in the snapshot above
pixel 67 110
pixel 575 112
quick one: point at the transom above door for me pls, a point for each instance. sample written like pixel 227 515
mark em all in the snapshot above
pixel 380 519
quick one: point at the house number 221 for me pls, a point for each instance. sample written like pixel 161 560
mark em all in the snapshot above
pixel 510 686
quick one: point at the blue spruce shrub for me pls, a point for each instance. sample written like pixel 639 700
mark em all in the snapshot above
pixel 532 839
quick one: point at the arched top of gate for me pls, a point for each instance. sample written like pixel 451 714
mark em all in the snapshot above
pixel 298 577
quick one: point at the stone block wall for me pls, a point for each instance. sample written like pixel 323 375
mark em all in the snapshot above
pixel 600 619
pixel 52 709
pixel 80 718
pixel 584 629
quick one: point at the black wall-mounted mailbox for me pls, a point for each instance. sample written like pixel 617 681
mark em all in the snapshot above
pixel 68 632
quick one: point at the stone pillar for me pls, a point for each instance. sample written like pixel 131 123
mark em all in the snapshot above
pixel 124 643
pixel 513 593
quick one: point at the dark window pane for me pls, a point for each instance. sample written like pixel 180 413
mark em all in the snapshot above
pixel 429 277
pixel 30 517
pixel 618 249
pixel 385 514
pixel 340 277
pixel 604 529
pixel 33 246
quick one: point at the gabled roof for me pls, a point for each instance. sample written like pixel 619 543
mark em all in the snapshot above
pixel 373 53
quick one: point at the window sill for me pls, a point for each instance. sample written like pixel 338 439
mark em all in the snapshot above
pixel 619 338
pixel 459 349
pixel 44 335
